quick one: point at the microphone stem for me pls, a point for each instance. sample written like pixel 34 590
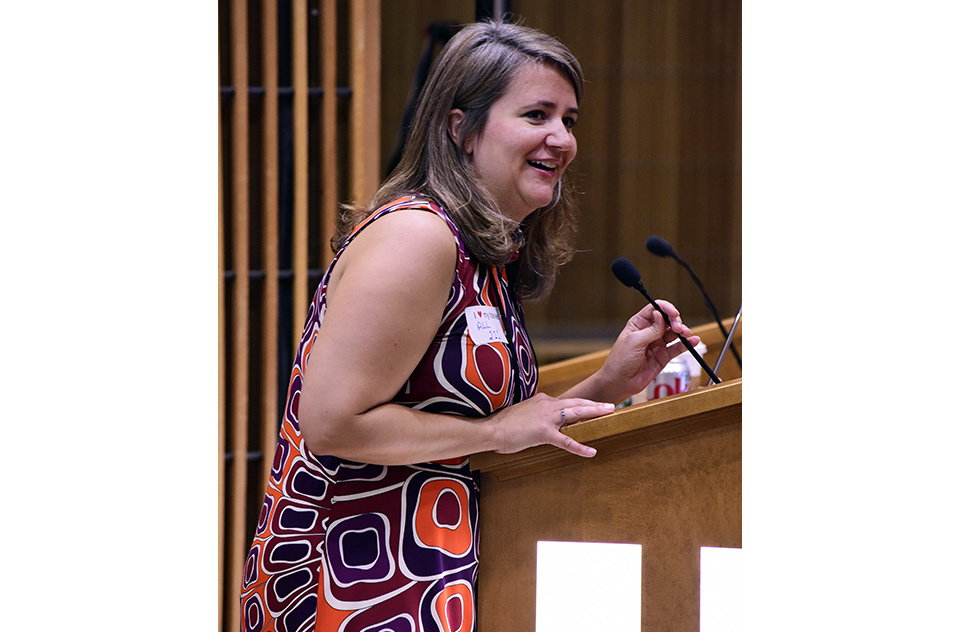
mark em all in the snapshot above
pixel 710 305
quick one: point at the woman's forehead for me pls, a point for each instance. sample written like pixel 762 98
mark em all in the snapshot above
pixel 541 82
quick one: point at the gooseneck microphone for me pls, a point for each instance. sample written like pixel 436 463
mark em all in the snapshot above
pixel 627 273
pixel 659 246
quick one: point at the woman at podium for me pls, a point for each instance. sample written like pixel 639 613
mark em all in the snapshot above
pixel 414 353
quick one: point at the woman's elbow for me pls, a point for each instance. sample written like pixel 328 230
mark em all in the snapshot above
pixel 320 426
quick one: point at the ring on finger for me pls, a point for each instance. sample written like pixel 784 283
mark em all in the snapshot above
pixel 564 419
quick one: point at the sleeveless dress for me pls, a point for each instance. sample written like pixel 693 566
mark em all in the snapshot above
pixel 353 547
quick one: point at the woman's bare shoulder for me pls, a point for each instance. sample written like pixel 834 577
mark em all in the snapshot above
pixel 405 246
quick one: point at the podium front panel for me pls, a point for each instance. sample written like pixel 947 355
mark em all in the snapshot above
pixel 670 485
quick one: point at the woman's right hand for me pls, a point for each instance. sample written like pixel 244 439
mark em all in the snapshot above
pixel 538 421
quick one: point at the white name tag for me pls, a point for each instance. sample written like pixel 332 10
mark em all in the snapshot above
pixel 484 325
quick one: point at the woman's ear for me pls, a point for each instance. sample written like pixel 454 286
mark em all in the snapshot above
pixel 455 119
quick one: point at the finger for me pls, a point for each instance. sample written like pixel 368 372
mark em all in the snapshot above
pixel 675 350
pixel 668 308
pixel 568 444
pixel 672 352
pixel 659 326
pixel 678 327
pixel 645 317
pixel 582 410
pixel 662 354
pixel 674 316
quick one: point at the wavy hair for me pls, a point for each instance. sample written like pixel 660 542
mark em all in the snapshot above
pixel 473 71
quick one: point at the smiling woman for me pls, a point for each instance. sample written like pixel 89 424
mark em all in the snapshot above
pixel 527 142
pixel 415 355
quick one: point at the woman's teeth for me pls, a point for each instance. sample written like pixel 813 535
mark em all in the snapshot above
pixel 549 166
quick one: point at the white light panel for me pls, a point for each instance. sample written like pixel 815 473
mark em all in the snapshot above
pixel 720 580
pixel 588 586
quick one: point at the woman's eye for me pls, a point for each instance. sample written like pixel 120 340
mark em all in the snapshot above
pixel 570 122
pixel 535 115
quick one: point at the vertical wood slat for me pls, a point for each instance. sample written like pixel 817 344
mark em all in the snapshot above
pixel 670 209
pixel 240 311
pixel 222 382
pixel 365 61
pixel 330 193
pixel 300 105
pixel 270 235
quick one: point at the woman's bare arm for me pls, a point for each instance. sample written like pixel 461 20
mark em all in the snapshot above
pixel 384 304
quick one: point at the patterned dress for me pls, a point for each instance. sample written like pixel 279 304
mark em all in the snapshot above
pixel 353 547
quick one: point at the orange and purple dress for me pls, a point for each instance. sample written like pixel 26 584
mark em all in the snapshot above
pixel 342 546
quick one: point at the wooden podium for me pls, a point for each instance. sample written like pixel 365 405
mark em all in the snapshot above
pixel 667 476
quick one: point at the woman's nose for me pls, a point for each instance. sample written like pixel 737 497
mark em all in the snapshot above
pixel 560 137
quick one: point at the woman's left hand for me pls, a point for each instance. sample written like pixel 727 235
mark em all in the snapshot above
pixel 641 351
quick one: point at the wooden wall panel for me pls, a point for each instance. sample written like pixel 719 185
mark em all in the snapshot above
pixel 658 151
pixel 404 38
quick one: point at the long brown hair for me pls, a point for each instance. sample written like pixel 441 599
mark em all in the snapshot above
pixel 473 71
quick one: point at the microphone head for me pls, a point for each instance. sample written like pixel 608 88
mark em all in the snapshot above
pixel 659 246
pixel 626 272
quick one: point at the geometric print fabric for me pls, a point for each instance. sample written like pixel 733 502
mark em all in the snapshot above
pixel 355 547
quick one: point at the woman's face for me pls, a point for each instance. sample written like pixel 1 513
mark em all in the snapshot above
pixel 526 143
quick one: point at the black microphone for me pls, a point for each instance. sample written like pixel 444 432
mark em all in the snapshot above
pixel 660 247
pixel 627 273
